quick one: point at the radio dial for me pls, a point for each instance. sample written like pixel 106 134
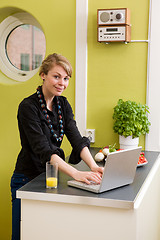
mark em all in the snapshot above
pixel 119 16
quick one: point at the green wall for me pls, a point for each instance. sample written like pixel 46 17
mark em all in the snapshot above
pixel 114 71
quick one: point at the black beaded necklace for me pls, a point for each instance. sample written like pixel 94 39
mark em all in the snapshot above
pixel 44 108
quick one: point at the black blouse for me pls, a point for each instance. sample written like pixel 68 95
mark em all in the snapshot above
pixel 37 142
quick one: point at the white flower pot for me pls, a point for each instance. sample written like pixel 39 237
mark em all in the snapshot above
pixel 128 142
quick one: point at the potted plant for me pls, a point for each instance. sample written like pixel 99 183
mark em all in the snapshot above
pixel 130 122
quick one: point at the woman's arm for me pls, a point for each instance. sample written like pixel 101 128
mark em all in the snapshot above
pixel 88 159
pixel 77 142
pixel 82 176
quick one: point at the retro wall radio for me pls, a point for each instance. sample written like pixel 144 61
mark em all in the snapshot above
pixel 113 25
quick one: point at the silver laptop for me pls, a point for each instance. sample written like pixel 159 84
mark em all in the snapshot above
pixel 119 170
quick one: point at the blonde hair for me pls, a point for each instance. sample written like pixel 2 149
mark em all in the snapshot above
pixel 55 59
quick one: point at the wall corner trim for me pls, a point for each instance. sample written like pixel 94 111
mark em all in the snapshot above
pixel 81 65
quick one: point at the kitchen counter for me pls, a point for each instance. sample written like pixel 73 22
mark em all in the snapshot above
pixel 128 198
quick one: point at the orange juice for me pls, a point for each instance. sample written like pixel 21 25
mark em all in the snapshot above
pixel 51 182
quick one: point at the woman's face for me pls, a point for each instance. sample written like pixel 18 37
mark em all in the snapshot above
pixel 56 81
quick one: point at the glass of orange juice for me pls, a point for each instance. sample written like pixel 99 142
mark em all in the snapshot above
pixel 51 175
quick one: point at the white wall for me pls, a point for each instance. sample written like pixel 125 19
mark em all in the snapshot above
pixel 153 91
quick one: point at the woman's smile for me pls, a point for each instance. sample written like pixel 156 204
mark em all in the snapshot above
pixel 59 89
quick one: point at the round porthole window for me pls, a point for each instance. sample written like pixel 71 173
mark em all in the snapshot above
pixel 23 46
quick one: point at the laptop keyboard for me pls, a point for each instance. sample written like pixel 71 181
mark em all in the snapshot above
pixel 92 185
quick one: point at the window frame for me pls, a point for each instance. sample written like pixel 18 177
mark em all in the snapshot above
pixel 6 27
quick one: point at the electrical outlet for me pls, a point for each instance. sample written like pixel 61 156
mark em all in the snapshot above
pixel 90 133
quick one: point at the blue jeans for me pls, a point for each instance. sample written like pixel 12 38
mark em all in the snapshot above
pixel 17 181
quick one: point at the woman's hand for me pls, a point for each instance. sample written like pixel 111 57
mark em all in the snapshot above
pixel 88 176
pixel 98 169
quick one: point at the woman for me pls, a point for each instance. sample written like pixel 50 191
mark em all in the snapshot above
pixel 43 119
